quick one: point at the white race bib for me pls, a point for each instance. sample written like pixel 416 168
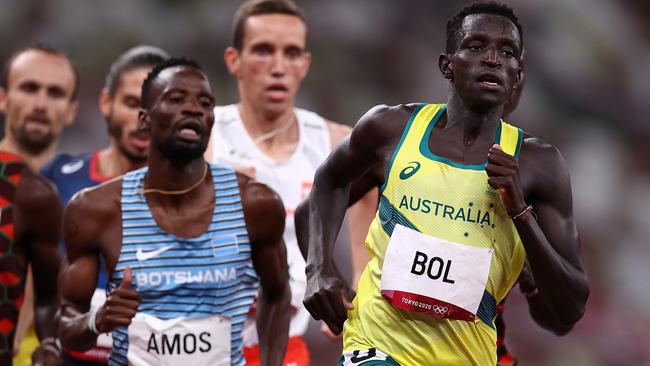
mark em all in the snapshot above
pixel 434 276
pixel 180 341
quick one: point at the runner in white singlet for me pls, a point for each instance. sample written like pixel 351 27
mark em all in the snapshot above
pixel 291 179
pixel 266 137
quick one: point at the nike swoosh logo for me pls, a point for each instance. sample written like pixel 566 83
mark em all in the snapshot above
pixel 70 168
pixel 143 256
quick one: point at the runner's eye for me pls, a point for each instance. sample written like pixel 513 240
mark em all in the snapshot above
pixel 56 92
pixel 262 49
pixel 175 98
pixel 29 87
pixel 206 103
pixel 131 102
pixel 294 53
pixel 508 53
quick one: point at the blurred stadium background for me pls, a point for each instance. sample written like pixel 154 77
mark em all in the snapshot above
pixel 587 92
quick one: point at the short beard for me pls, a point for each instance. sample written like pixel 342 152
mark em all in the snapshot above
pixel 115 132
pixel 178 151
pixel 33 145
pixel 133 158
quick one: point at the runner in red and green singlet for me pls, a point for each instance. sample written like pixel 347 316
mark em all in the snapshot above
pixel 12 272
pixel 30 213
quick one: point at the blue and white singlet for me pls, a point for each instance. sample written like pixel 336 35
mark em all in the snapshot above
pixel 195 292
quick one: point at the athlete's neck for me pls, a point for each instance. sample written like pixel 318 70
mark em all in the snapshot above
pixel 113 163
pixel 34 161
pixel 275 134
pixel 168 175
pixel 474 122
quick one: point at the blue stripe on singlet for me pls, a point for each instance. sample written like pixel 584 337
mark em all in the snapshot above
pixel 192 278
pixel 389 216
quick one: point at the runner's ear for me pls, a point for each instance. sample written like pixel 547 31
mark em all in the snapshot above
pixel 232 59
pixel 446 66
pixel 144 120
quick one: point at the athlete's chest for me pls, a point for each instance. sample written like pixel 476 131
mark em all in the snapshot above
pixel 187 221
pixel 441 192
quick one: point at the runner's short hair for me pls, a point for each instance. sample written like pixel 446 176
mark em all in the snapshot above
pixel 455 23
pixel 260 7
pixel 153 74
pixel 42 48
pixel 133 58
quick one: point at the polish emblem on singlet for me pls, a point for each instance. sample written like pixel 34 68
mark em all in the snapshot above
pixel 411 168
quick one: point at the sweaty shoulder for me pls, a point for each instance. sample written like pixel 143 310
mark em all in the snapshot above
pixel 38 207
pixel 35 194
pixel 381 125
pixel 544 164
pixel 101 199
pixel 263 209
pixel 88 215
pixel 536 150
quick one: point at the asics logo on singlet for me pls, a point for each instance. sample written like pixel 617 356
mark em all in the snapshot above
pixel 410 169
pixel 141 255
pixel 72 167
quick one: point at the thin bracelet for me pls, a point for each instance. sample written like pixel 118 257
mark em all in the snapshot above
pixel 91 321
pixel 525 211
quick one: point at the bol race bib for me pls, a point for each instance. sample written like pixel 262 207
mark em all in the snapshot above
pixel 440 278
pixel 179 341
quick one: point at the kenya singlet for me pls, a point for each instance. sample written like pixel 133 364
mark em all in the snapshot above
pixel 442 249
pixel 195 292
pixel 13 269
pixel 291 179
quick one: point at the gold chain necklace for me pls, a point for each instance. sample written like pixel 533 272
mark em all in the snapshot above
pixel 179 191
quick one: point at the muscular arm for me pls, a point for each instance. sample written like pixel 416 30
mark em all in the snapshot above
pixel 362 207
pixel 372 140
pixel 360 215
pixel 552 242
pixel 264 215
pixel 363 201
pixel 539 311
pixel 83 221
pixel 38 225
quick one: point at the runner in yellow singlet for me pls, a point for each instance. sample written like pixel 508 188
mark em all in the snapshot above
pixel 455 221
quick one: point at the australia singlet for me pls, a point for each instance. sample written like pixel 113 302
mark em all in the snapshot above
pixel 13 270
pixel 291 179
pixel 440 232
pixel 195 293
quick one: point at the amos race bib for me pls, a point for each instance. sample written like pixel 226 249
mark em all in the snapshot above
pixel 180 341
pixel 440 278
